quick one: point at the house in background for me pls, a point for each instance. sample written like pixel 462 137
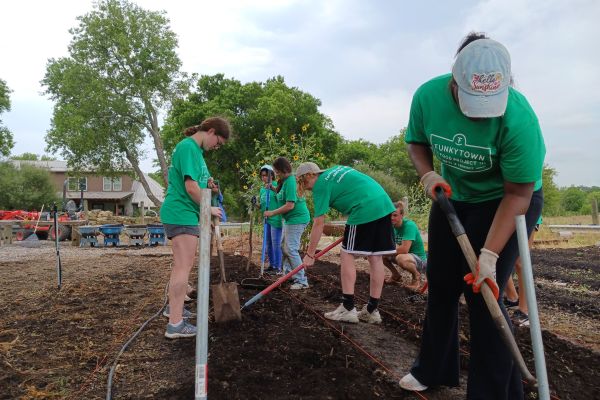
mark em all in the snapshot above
pixel 122 194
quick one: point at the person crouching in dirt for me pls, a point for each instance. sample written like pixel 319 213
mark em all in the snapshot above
pixel 490 145
pixel 180 213
pixel 295 218
pixel 410 252
pixel 368 232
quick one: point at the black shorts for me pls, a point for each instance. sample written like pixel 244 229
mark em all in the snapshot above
pixel 375 238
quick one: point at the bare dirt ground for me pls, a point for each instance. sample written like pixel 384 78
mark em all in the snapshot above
pixel 60 344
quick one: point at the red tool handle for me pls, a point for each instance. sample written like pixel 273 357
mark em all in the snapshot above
pixel 298 268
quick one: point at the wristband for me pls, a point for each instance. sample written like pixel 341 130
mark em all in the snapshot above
pixel 308 255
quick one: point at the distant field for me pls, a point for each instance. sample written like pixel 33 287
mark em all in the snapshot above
pixel 578 239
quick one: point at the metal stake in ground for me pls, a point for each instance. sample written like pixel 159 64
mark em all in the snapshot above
pixel 58 263
pixel 288 275
pixel 534 320
pixel 201 379
pixel 492 304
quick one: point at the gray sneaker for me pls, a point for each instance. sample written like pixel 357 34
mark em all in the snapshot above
pixel 182 331
pixel 186 313
pixel 370 318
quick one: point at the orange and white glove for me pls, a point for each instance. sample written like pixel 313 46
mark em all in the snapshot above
pixel 486 272
pixel 433 180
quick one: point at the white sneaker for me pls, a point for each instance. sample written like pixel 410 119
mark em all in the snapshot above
pixel 341 314
pixel 298 286
pixel 409 382
pixel 370 318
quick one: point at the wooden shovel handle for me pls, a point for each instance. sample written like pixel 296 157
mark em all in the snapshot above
pixel 217 232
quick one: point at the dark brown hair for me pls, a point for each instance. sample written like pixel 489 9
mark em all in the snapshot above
pixel 470 38
pixel 220 125
pixel 282 164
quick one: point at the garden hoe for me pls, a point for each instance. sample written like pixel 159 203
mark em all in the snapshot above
pixel 492 304
pixel 224 294
pixel 288 275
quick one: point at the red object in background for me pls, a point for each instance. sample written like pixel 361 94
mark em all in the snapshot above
pixel 27 229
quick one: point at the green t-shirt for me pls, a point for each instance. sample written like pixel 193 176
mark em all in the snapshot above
pixel 409 231
pixel 477 156
pixel 275 220
pixel 352 193
pixel 187 160
pixel 300 214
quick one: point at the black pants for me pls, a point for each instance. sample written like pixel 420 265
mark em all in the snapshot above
pixel 492 373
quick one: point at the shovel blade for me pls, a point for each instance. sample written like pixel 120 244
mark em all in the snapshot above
pixel 226 302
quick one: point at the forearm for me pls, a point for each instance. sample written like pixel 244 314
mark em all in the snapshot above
pixel 404 247
pixel 315 235
pixel 287 207
pixel 515 202
pixel 421 157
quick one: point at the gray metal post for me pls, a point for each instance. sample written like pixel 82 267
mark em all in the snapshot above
pixel 594 212
pixel 201 391
pixel 534 320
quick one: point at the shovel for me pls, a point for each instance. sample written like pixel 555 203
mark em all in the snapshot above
pixel 32 240
pixel 492 304
pixel 224 294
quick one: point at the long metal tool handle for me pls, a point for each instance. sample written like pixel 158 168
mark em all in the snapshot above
pixel 58 262
pixel 38 220
pixel 486 292
pixel 265 227
pixel 534 320
pixel 288 275
pixel 201 378
pixel 216 223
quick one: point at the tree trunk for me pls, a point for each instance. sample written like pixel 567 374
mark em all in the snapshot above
pixel 158 145
pixel 136 167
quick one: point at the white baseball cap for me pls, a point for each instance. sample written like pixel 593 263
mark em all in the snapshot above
pixel 482 73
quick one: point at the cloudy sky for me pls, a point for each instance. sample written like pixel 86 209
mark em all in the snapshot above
pixel 363 59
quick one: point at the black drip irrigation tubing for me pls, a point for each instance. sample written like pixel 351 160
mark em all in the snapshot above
pixel 129 341
pixel 391 314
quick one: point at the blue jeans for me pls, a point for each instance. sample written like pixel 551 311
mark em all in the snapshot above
pixel 274 246
pixel 291 246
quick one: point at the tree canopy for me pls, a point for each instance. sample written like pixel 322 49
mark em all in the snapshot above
pixel 254 109
pixel 6 138
pixel 27 188
pixel 122 69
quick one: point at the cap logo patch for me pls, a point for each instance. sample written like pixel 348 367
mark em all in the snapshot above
pixel 485 83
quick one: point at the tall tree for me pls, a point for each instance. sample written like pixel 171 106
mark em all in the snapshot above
pixel 6 138
pixel 122 70
pixel 254 109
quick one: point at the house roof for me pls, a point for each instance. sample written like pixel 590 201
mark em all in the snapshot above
pixel 52 166
pixel 99 195
pixel 139 194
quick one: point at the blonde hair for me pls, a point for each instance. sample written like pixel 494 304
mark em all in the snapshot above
pixel 300 182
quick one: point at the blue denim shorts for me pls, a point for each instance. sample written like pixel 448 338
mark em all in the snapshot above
pixel 173 230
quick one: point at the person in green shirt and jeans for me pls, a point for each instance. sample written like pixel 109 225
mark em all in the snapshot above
pixel 368 232
pixel 295 218
pixel 180 213
pixel 274 225
pixel 410 251
pixel 491 150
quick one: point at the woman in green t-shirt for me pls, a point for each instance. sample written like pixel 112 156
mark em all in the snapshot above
pixel 410 251
pixel 295 218
pixel 490 146
pixel 180 213
pixel 368 231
